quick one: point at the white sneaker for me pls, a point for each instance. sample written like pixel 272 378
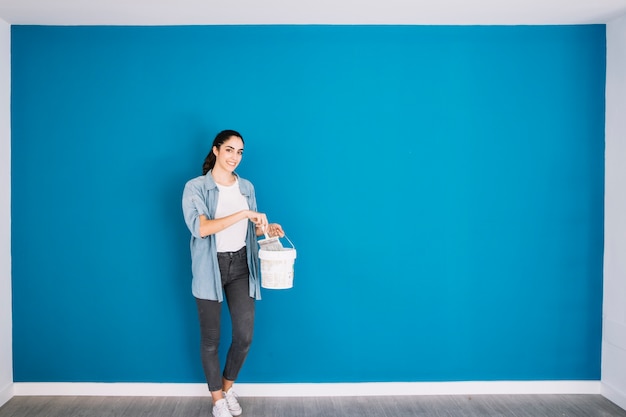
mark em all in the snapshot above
pixel 220 409
pixel 233 404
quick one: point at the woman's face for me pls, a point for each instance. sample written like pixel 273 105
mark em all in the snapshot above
pixel 228 156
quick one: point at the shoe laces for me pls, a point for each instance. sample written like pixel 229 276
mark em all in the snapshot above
pixel 231 395
pixel 220 409
pixel 233 403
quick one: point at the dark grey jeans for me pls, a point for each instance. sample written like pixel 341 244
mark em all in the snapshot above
pixel 234 271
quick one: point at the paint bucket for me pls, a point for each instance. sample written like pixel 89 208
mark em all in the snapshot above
pixel 277 267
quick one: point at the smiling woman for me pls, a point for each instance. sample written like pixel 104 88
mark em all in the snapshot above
pixel 220 211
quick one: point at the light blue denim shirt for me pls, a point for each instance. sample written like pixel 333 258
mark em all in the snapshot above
pixel 200 197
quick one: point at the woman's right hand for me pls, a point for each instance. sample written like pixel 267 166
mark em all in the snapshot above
pixel 259 219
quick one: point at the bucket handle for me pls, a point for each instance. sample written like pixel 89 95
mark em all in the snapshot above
pixel 290 242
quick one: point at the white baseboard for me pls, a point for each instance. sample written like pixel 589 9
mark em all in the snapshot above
pixel 614 395
pixel 311 389
pixel 6 393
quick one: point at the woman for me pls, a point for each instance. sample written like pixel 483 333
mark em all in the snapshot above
pixel 221 213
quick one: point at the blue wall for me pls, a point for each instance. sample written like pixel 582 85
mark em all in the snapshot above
pixel 443 187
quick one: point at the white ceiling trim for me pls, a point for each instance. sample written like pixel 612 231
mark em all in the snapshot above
pixel 333 12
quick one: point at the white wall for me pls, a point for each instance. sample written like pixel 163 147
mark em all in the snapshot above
pixel 614 334
pixel 6 343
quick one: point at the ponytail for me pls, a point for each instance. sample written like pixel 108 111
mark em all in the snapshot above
pixel 209 162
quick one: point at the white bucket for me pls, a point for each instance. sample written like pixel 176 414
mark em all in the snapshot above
pixel 277 268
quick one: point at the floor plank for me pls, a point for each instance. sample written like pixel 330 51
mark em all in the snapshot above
pixel 366 406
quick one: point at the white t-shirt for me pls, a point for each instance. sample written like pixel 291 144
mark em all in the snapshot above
pixel 231 200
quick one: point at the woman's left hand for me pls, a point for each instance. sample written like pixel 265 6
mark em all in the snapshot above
pixel 275 229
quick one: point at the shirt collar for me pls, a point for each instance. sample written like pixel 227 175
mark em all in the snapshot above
pixel 209 182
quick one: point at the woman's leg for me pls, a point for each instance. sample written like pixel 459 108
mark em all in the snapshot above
pixel 241 308
pixel 209 313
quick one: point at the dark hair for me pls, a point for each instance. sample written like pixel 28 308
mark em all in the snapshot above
pixel 223 136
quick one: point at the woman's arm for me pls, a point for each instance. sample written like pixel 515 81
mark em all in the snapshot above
pixel 210 227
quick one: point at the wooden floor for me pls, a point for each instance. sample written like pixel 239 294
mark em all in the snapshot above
pixel 440 406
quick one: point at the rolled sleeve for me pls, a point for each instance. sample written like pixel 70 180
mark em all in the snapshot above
pixel 194 207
